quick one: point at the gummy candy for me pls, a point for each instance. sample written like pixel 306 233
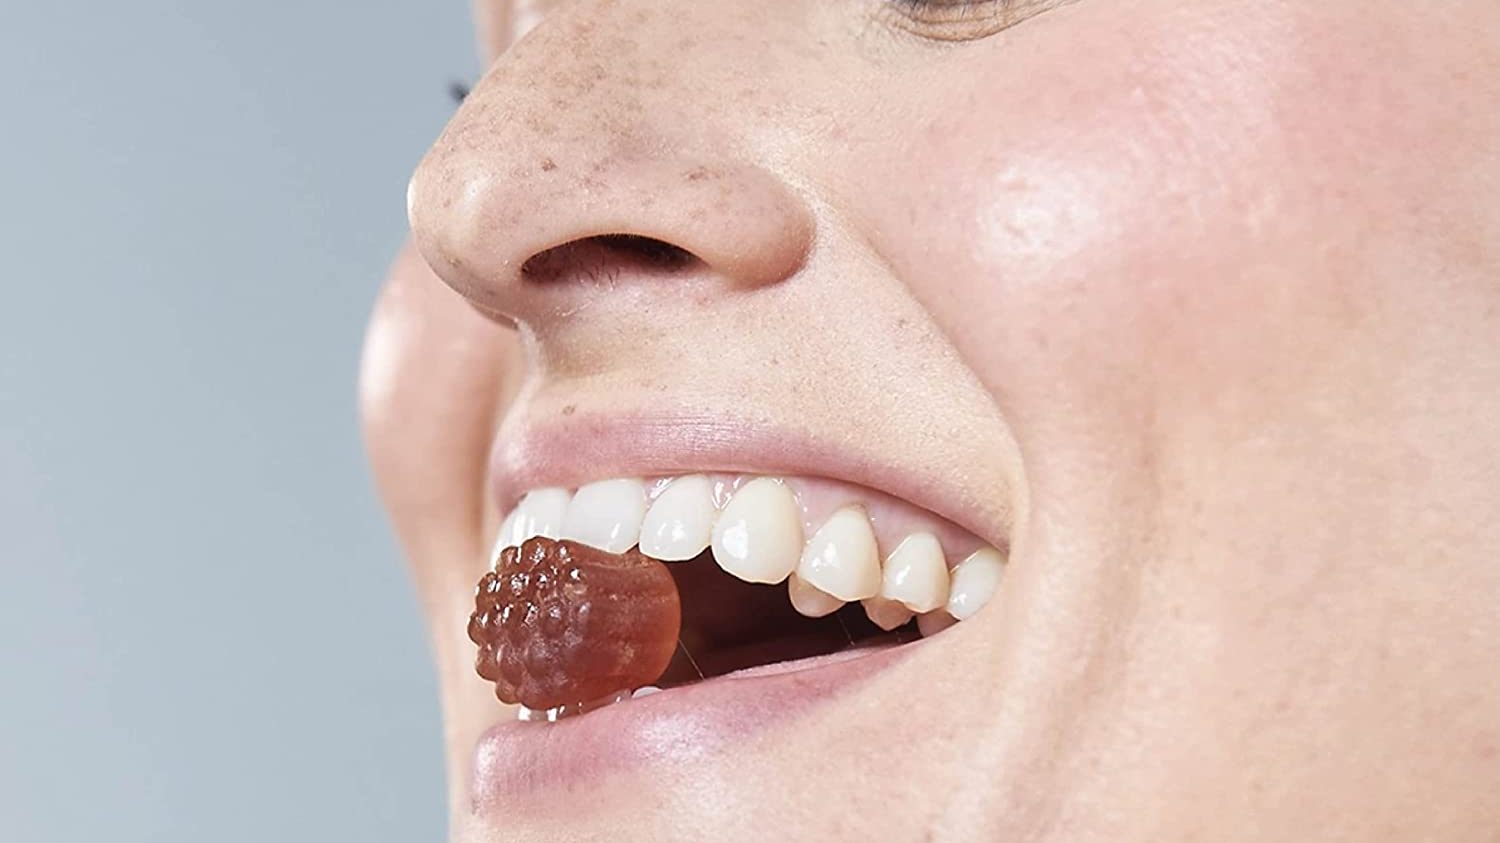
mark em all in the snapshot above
pixel 560 623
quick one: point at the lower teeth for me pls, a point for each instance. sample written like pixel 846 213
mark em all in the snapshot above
pixel 552 715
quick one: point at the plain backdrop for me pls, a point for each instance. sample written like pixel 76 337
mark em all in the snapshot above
pixel 206 633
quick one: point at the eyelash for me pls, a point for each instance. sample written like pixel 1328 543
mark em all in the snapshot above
pixel 965 20
pixel 951 8
pixel 942 3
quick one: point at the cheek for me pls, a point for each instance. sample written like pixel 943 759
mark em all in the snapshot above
pixel 1135 210
pixel 434 378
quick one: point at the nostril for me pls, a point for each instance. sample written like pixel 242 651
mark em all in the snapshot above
pixel 605 256
pixel 657 252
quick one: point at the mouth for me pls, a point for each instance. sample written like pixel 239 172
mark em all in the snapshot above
pixel 791 590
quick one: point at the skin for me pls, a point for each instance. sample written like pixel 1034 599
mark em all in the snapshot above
pixel 1196 304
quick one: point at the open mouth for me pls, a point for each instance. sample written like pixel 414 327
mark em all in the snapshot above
pixel 763 576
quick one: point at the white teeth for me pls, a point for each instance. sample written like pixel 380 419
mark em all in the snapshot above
pixel 503 539
pixel 810 601
pixel 645 691
pixel 758 537
pixel 759 533
pixel 540 513
pixel 974 582
pixel 841 558
pixel 916 574
pixel 679 525
pixel 886 614
pixel 934 622
pixel 606 515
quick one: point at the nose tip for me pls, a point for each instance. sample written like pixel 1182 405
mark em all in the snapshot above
pixel 490 203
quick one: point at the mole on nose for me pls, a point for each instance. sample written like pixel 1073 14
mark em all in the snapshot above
pixel 560 623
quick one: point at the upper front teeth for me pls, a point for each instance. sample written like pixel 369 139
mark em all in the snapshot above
pixel 607 515
pixel 758 535
pixel 680 522
pixel 540 513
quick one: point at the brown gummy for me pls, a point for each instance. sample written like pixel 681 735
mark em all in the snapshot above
pixel 559 623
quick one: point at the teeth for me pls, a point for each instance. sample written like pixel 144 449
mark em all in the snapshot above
pixel 810 601
pixel 934 622
pixel 841 558
pixel 886 614
pixel 759 533
pixel 758 537
pixel 540 513
pixel 606 515
pixel 552 715
pixel 916 574
pixel 974 582
pixel 645 691
pixel 680 523
pixel 504 538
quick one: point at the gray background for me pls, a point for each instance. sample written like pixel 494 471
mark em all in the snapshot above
pixel 206 633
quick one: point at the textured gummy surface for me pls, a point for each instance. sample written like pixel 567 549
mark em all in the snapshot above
pixel 560 623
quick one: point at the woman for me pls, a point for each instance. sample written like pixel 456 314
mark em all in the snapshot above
pixel 1181 317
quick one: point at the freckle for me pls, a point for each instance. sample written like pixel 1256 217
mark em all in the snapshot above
pixel 698 174
pixel 570 409
pixel 548 165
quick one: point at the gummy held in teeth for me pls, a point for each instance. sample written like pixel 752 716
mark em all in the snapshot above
pixel 558 623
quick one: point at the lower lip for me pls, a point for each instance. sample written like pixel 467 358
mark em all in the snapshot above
pixel 515 759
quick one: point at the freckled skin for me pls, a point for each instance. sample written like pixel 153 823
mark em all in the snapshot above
pixel 1194 300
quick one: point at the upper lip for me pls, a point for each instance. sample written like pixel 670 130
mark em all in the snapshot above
pixel 575 448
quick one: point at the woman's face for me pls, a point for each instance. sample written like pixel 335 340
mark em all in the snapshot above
pixel 1187 306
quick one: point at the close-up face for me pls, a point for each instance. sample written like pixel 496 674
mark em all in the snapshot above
pixel 1027 420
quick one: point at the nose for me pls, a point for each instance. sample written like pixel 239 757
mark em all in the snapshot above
pixel 561 167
